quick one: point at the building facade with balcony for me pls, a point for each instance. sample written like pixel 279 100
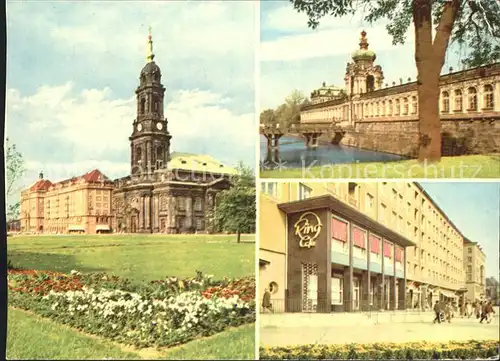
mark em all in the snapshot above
pixel 475 276
pixel 356 246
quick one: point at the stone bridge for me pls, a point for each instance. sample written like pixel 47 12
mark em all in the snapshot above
pixel 310 132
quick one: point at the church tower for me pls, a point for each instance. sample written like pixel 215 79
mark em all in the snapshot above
pixel 150 139
pixel 362 76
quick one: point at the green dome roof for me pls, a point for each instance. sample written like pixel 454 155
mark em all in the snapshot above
pixel 364 54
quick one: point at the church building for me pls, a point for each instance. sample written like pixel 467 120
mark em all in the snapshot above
pixel 166 192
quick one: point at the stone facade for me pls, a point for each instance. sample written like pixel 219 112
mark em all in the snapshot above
pixel 164 193
pixel 385 117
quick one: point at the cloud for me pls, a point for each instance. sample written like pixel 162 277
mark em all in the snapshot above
pixel 202 45
pixel 334 36
pixel 294 56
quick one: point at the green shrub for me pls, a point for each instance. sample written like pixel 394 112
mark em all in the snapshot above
pixel 385 351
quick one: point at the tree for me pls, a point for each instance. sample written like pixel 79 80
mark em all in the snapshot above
pixel 268 117
pixel 287 113
pixel 471 23
pixel 235 207
pixel 14 164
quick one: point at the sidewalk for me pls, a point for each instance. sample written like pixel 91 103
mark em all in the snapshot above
pixel 459 330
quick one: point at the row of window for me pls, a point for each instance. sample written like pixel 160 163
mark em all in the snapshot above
pixel 409 105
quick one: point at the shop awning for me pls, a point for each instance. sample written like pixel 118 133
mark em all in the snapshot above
pixel 76 227
pixel 448 294
pixel 102 227
pixel 348 211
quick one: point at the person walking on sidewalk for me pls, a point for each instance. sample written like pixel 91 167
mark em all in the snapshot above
pixel 448 312
pixel 437 311
pixel 479 307
pixel 487 310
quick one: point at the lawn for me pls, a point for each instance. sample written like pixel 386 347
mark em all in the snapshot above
pixel 140 258
pixel 470 166
pixel 63 343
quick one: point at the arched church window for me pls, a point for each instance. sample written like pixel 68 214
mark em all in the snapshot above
pixel 458 100
pixel 489 102
pixel 414 105
pixel 445 96
pixel 370 83
pixel 143 106
pixel 472 98
pixel 138 154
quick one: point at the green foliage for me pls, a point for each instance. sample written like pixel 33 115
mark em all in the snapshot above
pixel 13 211
pixel 268 117
pixel 384 351
pixel 476 28
pixel 14 166
pixel 235 208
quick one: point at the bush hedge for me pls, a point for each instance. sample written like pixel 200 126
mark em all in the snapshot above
pixel 385 351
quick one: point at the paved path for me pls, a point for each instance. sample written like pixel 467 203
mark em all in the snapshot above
pixel 459 330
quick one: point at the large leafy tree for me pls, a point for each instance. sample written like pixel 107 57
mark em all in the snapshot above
pixel 14 165
pixel 235 207
pixel 473 24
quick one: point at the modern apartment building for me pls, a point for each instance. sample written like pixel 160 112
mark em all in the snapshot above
pixel 475 278
pixel 356 246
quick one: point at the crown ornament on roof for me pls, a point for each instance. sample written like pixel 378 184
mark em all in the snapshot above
pixel 363 42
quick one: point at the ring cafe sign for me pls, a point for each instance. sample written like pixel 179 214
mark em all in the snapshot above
pixel 307 228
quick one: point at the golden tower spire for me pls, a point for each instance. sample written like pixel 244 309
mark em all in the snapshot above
pixel 150 55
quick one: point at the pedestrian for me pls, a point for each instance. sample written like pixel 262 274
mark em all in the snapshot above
pixel 479 307
pixel 437 312
pixel 484 312
pixel 469 309
pixel 448 312
pixel 487 313
pixel 266 301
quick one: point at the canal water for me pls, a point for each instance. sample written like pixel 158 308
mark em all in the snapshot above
pixel 294 154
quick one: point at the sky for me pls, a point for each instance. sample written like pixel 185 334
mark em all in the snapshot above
pixel 475 210
pixel 294 56
pixel 72 71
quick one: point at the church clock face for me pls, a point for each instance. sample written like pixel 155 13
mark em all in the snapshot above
pixel 139 127
pixel 159 126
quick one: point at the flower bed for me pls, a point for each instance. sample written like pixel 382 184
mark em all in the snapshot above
pixel 384 351
pixel 161 313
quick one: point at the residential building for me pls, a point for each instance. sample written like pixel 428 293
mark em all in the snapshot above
pixel 475 277
pixel 356 246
